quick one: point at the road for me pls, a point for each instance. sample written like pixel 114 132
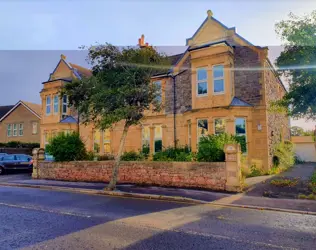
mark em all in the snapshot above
pixel 41 219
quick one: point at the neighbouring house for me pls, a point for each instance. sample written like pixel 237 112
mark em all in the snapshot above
pixel 220 83
pixel 20 122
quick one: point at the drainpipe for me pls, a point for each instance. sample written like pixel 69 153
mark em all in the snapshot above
pixel 175 107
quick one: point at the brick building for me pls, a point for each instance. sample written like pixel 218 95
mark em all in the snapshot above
pixel 221 82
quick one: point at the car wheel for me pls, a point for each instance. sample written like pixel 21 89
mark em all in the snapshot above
pixel 1 170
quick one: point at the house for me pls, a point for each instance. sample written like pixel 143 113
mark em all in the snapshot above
pixel 20 122
pixel 221 82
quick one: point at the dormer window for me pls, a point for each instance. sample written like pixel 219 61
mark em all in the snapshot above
pixel 218 79
pixel 201 82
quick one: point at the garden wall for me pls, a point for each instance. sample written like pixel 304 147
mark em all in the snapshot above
pixel 209 175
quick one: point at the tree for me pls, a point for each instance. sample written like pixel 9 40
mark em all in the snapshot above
pixel 297 131
pixel 298 64
pixel 119 90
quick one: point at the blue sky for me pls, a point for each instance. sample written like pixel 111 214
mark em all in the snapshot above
pixel 35 32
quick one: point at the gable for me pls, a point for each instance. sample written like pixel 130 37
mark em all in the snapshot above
pixel 20 114
pixel 211 30
pixel 62 71
pixel 21 110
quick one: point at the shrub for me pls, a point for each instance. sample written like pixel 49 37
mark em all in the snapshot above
pixel 180 153
pixel 90 156
pixel 17 144
pixel 211 147
pixel 67 147
pixel 254 171
pixel 284 182
pixel 132 156
pixel 145 151
pixel 106 157
pixel 283 155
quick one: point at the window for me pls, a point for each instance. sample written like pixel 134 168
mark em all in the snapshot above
pixel 56 104
pixel 202 128
pixel 201 82
pixel 34 128
pixel 240 128
pixel 107 141
pixel 65 104
pixel 48 105
pixel 146 136
pixel 189 133
pixel 23 158
pixel 15 130
pixel 21 129
pixel 9 130
pixel 218 79
pixel 159 91
pixel 158 139
pixel 219 126
pixel 96 141
pixel 8 158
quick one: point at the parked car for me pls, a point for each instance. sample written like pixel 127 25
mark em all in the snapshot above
pixel 15 162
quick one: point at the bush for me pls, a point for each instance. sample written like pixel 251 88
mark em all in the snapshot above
pixel 106 157
pixel 254 171
pixel 284 182
pixel 90 156
pixel 67 147
pixel 17 144
pixel 284 156
pixel 132 156
pixel 180 153
pixel 211 147
pixel 146 151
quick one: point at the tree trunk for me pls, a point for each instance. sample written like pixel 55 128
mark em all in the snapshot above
pixel 116 166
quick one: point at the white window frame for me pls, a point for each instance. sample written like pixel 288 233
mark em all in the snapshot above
pixel 201 81
pixel 48 105
pixel 157 138
pixel 220 118
pixel 197 128
pixel 54 104
pixel 36 126
pixel 9 129
pixel 218 78
pixel 15 130
pixel 21 128
pixel 64 104
pixel 246 129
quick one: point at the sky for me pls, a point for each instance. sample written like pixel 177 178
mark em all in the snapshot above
pixel 35 32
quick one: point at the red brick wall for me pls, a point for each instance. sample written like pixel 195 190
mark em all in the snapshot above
pixel 176 174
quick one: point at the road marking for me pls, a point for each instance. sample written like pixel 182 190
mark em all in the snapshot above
pixel 44 210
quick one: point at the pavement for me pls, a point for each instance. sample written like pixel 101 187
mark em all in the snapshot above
pixel 42 219
pixel 161 193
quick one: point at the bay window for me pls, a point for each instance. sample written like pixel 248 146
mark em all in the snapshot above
pixel 241 133
pixel 201 82
pixel 218 79
pixel 219 126
pixel 202 128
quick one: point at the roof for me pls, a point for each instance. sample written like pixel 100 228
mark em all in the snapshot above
pixel 69 119
pixel 236 102
pixel 81 70
pixel 4 110
pixel 34 108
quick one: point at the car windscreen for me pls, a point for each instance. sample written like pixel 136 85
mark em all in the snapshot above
pixel 23 157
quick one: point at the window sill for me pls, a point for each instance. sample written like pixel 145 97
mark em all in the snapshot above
pixel 218 93
pixel 204 95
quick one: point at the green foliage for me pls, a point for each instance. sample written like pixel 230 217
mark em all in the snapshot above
pixel 298 131
pixel 297 62
pixel 90 156
pixel 307 197
pixel 254 171
pixel 284 155
pixel 312 183
pixel 242 141
pixel 18 144
pixel 120 87
pixel 211 147
pixel 67 147
pixel 106 157
pixel 146 151
pixel 180 153
pixel 284 182
pixel 132 156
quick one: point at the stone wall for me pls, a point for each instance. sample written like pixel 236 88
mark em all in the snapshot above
pixel 277 123
pixel 174 174
pixel 247 82
pixel 183 90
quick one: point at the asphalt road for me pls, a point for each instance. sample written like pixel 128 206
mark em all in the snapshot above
pixel 38 219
